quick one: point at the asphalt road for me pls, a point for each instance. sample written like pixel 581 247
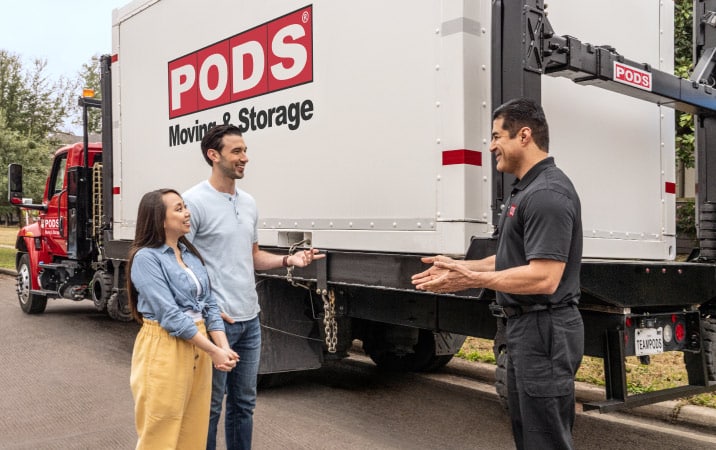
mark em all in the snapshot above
pixel 65 378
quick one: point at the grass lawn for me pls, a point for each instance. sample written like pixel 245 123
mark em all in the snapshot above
pixel 7 247
pixel 7 258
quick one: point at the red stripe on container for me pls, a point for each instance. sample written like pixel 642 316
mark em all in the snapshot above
pixel 115 190
pixel 462 156
pixel 115 58
pixel 670 188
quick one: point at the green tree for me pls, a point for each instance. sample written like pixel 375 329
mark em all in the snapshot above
pixel 46 102
pixel 12 89
pixel 34 106
pixel 32 109
pixel 88 78
pixel 35 159
pixel 683 64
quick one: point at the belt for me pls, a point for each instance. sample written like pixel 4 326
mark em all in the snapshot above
pixel 509 312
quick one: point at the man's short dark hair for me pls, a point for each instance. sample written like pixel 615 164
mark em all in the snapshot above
pixel 214 138
pixel 524 112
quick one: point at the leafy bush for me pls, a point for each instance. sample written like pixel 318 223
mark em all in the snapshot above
pixel 686 218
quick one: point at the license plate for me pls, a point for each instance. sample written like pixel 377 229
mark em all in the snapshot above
pixel 648 341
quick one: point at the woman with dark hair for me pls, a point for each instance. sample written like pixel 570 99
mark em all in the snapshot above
pixel 169 294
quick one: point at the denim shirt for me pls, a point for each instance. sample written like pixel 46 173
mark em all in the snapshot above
pixel 166 291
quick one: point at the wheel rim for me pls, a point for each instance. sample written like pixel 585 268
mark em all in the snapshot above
pixel 23 284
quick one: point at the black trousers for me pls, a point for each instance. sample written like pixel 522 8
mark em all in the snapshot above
pixel 544 349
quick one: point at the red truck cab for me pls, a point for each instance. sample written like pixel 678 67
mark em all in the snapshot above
pixel 44 243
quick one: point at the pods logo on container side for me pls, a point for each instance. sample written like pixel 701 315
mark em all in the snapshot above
pixel 270 57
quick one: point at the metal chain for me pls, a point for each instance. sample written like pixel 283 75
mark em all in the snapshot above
pixel 329 320
pixel 289 269
pixel 329 304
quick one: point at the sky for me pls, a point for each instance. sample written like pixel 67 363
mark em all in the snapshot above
pixel 65 33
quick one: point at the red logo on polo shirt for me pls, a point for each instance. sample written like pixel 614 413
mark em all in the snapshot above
pixel 513 208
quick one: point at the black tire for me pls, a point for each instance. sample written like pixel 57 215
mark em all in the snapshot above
pixel 30 303
pixel 423 358
pixel 500 349
pixel 708 340
pixel 101 289
pixel 118 308
pixel 437 362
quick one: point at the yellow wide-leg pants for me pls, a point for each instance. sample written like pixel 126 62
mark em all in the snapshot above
pixel 171 386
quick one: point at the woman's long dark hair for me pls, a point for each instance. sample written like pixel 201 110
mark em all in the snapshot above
pixel 150 233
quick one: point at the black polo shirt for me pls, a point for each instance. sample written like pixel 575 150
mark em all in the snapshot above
pixel 542 219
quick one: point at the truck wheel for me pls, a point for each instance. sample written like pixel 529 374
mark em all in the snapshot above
pixel 500 349
pixel 101 289
pixel 423 358
pixel 437 362
pixel 30 303
pixel 118 308
pixel 708 335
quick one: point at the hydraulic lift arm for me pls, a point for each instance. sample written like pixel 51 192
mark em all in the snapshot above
pixel 525 47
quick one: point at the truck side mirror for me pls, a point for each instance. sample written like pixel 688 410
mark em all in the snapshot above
pixel 14 184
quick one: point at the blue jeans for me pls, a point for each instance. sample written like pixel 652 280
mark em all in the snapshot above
pixel 239 386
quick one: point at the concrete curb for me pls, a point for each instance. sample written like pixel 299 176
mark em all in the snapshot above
pixel 672 411
pixel 8 272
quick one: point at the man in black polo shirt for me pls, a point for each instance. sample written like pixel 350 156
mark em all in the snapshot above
pixel 535 275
